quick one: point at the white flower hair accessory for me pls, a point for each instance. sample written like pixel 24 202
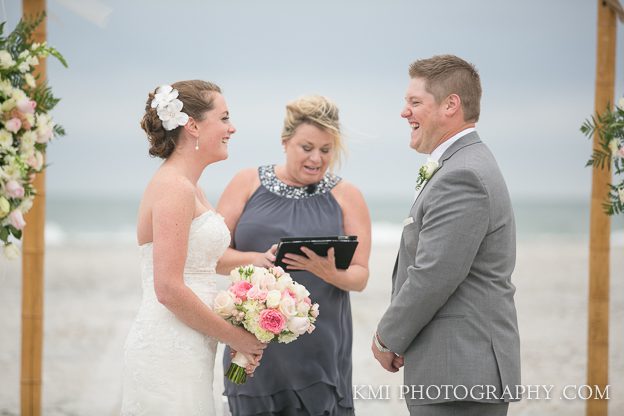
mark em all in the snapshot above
pixel 168 107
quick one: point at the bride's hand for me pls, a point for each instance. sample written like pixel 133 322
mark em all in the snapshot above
pixel 246 343
pixel 267 258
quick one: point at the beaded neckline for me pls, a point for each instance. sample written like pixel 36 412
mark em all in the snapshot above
pixel 270 181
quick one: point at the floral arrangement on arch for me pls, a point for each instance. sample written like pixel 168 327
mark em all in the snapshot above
pixel 610 129
pixel 25 126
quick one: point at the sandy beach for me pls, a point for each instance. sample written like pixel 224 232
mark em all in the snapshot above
pixel 93 291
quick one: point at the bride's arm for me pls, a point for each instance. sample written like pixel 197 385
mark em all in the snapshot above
pixel 231 206
pixel 171 221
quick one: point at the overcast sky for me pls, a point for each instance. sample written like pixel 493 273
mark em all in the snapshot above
pixel 536 60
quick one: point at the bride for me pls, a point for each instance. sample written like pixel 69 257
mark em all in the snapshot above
pixel 170 351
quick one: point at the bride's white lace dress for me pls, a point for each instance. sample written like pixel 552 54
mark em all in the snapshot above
pixel 168 366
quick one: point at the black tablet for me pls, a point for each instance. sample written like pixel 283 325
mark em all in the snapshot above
pixel 344 247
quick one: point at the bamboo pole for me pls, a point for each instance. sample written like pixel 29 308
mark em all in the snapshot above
pixel 32 263
pixel 600 224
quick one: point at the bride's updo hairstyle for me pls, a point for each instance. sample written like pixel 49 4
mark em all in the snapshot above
pixel 197 98
pixel 320 112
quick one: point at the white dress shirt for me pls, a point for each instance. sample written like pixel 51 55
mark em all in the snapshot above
pixel 439 151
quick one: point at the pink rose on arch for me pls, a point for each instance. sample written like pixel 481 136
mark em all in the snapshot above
pixel 26 106
pixel 13 125
pixel 16 219
pixel 240 289
pixel 14 189
pixel 272 320
pixel 621 152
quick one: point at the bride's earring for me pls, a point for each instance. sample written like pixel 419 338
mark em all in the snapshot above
pixel 197 143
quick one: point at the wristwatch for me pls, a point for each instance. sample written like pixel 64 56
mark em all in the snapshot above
pixel 380 347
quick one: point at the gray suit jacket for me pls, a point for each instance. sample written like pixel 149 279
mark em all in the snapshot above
pixel 452 313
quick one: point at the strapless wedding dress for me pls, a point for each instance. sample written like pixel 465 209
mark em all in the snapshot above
pixel 168 366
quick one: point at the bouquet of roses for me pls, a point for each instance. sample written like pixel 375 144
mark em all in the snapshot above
pixel 267 303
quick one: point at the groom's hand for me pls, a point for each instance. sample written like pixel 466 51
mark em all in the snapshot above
pixel 387 359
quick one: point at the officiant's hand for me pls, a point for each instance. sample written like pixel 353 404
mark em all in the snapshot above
pixel 388 360
pixel 266 259
pixel 323 267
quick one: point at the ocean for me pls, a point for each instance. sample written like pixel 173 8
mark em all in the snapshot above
pixel 113 220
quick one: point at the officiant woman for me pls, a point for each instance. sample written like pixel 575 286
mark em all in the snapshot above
pixel 301 197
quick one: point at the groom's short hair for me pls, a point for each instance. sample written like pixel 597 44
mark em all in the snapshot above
pixel 448 74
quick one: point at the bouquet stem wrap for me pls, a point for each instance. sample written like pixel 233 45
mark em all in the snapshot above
pixel 236 373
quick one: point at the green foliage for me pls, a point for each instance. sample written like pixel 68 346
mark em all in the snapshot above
pixel 609 126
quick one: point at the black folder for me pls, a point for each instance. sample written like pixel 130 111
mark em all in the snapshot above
pixel 344 247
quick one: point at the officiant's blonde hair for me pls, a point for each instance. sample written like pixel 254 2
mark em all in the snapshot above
pixel 448 74
pixel 197 98
pixel 320 112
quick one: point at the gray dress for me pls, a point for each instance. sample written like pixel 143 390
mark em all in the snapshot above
pixel 312 375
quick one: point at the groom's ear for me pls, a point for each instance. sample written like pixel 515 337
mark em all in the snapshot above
pixel 452 104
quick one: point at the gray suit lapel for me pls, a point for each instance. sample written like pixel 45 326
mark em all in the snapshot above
pixel 467 140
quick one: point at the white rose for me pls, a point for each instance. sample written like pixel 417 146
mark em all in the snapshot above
pixel 288 307
pixel 19 95
pixel 26 204
pixel 613 146
pixel 30 80
pixel 224 304
pixel 298 325
pixel 273 298
pixel 32 61
pixel 6 139
pixel 8 105
pixel 235 275
pixel 283 282
pixel 621 195
pixel 11 251
pixel 24 54
pixel 6 88
pixel 303 308
pixel 6 60
pixel 429 168
pixel 23 67
pixel 621 103
pixel 5 207
pixel 301 292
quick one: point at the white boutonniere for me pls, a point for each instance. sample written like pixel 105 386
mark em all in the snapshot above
pixel 426 171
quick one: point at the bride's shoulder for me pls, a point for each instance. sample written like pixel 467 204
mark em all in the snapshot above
pixel 171 186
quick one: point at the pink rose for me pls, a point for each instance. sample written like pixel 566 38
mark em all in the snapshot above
pixel 257 294
pixel 14 189
pixel 26 106
pixel 314 311
pixel 289 292
pixel 272 320
pixel 35 161
pixel 277 271
pixel 240 289
pixel 307 300
pixel 16 219
pixel 13 125
pixel 621 152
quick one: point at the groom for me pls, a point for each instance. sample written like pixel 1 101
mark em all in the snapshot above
pixel 452 318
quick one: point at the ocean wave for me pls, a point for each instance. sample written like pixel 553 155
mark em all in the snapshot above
pixel 384 233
